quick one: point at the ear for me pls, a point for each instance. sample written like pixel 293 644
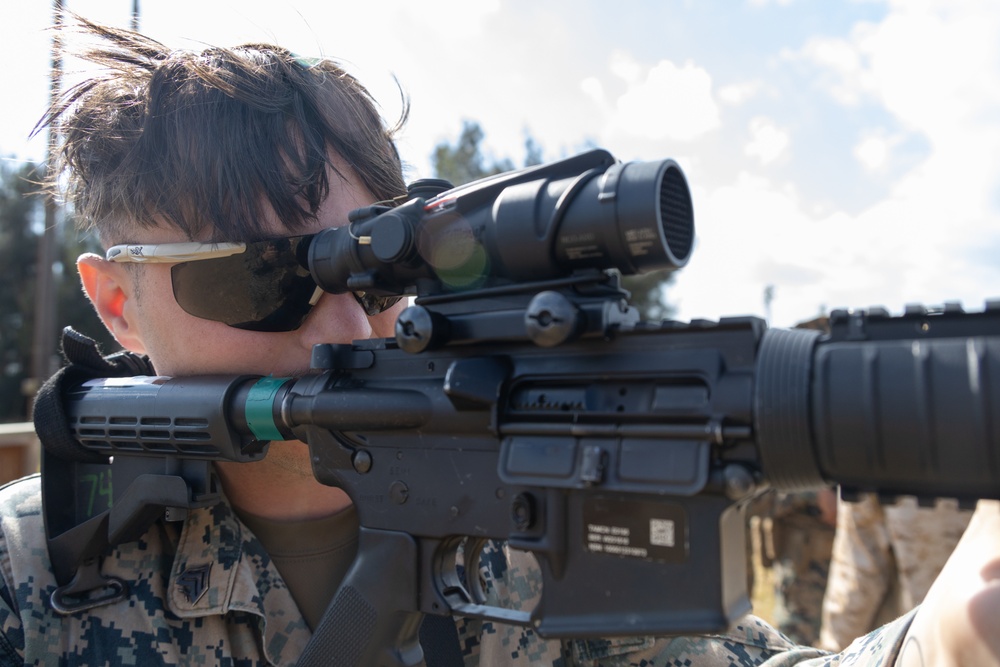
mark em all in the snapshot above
pixel 110 289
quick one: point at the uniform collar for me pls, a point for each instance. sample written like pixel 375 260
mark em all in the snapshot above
pixel 220 567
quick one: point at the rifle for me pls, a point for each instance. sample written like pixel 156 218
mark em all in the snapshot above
pixel 523 399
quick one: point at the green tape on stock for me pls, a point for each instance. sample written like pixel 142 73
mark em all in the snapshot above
pixel 260 408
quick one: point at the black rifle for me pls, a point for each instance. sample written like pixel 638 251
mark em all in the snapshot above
pixel 524 400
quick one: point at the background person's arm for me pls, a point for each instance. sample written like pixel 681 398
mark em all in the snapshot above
pixel 959 620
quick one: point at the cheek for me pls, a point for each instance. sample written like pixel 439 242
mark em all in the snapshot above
pixel 193 346
pixel 384 324
pixel 181 344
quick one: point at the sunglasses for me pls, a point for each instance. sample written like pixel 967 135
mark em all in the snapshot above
pixel 260 286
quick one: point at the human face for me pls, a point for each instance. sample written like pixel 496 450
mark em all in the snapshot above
pixel 179 343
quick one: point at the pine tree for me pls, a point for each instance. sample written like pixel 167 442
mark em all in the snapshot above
pixel 18 254
pixel 21 220
pixel 464 162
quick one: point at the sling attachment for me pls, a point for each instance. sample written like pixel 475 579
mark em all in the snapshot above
pixel 85 514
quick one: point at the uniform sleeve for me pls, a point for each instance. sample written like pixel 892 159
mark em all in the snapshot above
pixel 11 627
pixel 11 634
pixel 923 539
pixel 860 571
pixel 749 643
pixel 879 648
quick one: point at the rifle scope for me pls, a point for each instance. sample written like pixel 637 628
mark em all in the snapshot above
pixel 541 223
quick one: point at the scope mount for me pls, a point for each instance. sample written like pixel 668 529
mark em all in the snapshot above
pixel 548 313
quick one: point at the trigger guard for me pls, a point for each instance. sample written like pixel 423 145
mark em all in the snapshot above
pixel 473 581
pixel 464 593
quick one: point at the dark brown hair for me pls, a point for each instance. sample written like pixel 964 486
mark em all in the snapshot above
pixel 212 140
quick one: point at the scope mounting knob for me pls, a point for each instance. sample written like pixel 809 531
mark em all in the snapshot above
pixel 551 319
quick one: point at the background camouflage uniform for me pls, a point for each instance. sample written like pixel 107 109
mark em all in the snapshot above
pixel 244 615
pixel 796 544
pixel 885 558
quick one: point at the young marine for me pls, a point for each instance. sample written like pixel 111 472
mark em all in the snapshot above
pixel 170 152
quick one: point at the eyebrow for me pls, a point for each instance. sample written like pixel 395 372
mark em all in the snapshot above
pixel 171 252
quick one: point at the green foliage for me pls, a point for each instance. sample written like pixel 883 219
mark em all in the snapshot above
pixel 649 294
pixel 18 250
pixel 532 152
pixel 464 162
pixel 21 219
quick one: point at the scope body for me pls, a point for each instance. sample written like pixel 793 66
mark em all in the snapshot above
pixel 584 213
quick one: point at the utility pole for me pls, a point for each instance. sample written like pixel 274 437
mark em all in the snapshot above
pixel 134 25
pixel 43 353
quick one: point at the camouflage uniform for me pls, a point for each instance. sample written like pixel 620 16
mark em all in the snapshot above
pixel 244 615
pixel 885 558
pixel 797 544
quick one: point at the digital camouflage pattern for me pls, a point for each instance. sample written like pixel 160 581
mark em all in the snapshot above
pixel 885 558
pixel 798 544
pixel 243 614
pixel 204 593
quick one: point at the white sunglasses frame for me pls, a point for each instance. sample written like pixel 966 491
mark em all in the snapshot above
pixel 172 253
pixel 167 253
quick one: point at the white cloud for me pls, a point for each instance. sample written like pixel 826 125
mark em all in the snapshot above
pixel 836 54
pixel 756 235
pixel 738 93
pixel 848 78
pixel 671 103
pixel 592 88
pixel 929 63
pixel 768 142
pixel 933 66
pixel 624 66
pixel 760 234
pixel 874 150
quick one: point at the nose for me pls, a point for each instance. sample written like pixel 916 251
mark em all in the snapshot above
pixel 336 318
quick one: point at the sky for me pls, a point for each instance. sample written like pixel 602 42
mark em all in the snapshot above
pixel 845 154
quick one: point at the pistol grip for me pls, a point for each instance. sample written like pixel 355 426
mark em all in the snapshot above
pixel 373 618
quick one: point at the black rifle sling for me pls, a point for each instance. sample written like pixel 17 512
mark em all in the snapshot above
pixel 84 362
